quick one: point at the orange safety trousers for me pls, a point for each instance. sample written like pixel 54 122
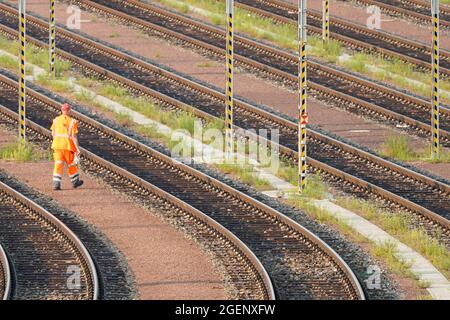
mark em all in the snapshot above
pixel 62 157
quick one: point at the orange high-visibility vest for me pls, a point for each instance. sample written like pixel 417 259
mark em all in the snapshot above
pixel 63 129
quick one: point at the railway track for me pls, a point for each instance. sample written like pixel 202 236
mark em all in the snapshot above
pixel 366 173
pixel 353 35
pixel 416 9
pixel 47 260
pixel 342 89
pixel 299 264
pixel 5 275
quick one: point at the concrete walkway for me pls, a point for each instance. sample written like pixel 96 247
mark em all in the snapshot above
pixel 439 286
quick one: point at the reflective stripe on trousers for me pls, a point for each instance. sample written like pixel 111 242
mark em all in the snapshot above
pixel 62 157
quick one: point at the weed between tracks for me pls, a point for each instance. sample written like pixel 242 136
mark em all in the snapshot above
pixel 399 226
pixel 393 70
pixel 9 62
pixel 205 64
pixel 23 152
pixel 244 173
pixel 244 21
pixel 386 251
pixel 383 252
pixel 59 85
pixel 34 55
pixel 398 147
pixel 85 96
pixel 181 120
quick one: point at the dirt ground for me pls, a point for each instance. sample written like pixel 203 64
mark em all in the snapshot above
pixel 394 25
pixel 344 124
pixel 166 265
pixel 197 66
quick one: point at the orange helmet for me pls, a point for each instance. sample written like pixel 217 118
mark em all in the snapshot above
pixel 65 107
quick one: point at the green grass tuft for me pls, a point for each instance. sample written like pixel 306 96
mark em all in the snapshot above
pixel 357 63
pixel 124 119
pixel 205 64
pixel 112 90
pixel 398 147
pixel 246 174
pixel 288 173
pixel 57 85
pixel 35 55
pixel 330 51
pixel 152 132
pixel 9 62
pixel 22 152
pixel 386 251
pixel 114 35
pixel 187 122
pixel 400 225
pixel 84 96
pixel 315 188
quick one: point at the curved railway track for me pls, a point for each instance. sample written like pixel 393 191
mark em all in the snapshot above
pixel 353 35
pixel 344 90
pixel 416 9
pixel 300 265
pixel 5 275
pixel 410 190
pixel 46 258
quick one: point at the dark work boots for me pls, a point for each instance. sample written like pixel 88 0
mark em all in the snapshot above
pixel 77 183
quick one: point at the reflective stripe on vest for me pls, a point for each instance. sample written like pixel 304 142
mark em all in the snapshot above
pixel 64 133
pixel 61 136
pixel 72 123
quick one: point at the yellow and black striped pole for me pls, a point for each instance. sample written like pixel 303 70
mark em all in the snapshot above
pixel 302 121
pixel 52 40
pixel 326 20
pixel 229 144
pixel 22 100
pixel 435 76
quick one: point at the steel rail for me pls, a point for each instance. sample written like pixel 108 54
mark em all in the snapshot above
pixel 351 34
pixel 6 274
pixel 395 105
pixel 81 251
pixel 261 115
pixel 417 10
pixel 139 182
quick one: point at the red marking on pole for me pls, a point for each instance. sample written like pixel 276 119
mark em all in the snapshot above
pixel 304 119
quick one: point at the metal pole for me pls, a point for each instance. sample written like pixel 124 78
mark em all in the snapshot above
pixel 52 34
pixel 22 100
pixel 302 94
pixel 326 20
pixel 435 76
pixel 229 90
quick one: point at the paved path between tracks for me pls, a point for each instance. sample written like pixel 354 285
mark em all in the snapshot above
pixel 439 286
pixel 166 264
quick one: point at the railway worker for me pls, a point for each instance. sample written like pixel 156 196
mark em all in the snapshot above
pixel 65 147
